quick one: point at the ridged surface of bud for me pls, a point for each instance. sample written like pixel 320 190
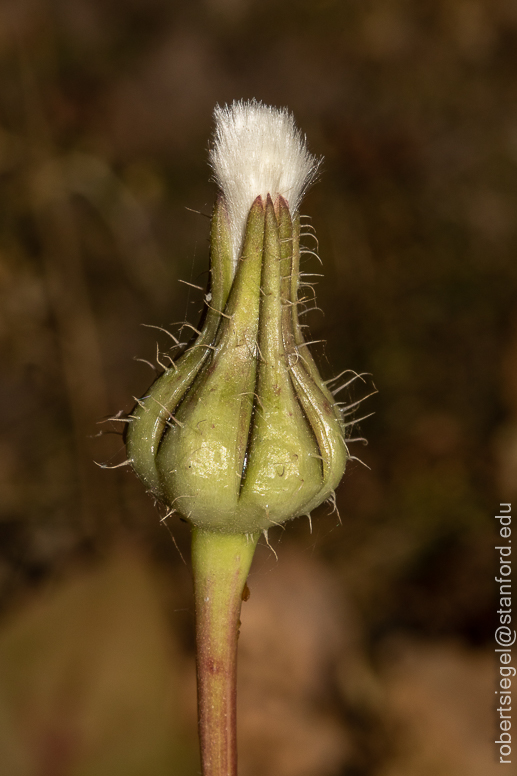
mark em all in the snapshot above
pixel 241 433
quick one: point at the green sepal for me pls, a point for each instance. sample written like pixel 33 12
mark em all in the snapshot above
pixel 322 412
pixel 154 411
pixel 201 461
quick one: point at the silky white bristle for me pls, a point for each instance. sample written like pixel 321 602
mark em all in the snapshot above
pixel 258 151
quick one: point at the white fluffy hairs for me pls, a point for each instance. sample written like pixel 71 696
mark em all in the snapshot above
pixel 258 150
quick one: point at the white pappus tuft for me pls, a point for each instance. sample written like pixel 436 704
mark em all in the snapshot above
pixel 258 150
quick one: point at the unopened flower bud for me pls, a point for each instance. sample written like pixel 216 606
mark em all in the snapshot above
pixel 241 433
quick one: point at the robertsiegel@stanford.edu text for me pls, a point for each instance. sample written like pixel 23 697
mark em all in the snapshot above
pixel 505 635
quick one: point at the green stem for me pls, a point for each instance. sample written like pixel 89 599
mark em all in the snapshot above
pixel 221 563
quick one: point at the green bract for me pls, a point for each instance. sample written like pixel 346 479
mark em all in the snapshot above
pixel 241 433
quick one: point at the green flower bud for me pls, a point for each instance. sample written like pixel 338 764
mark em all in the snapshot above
pixel 241 433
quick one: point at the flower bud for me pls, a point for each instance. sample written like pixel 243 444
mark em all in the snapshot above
pixel 241 433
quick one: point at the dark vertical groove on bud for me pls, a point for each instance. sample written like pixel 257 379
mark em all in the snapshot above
pixel 249 437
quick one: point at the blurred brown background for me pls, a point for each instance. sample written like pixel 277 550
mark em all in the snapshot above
pixel 366 650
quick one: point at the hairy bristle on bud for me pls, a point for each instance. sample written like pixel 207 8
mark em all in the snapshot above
pixel 257 151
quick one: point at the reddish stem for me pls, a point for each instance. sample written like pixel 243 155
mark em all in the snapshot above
pixel 221 564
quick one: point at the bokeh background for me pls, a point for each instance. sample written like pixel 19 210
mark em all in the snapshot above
pixel 366 649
